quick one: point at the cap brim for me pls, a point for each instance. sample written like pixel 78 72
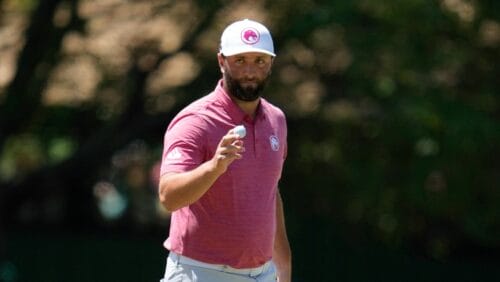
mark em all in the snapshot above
pixel 237 51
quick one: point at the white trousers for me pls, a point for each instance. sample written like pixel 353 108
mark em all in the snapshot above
pixel 183 269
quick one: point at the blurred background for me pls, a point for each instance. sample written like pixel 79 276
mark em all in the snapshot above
pixel 393 111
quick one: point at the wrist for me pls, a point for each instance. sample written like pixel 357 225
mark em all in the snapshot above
pixel 215 167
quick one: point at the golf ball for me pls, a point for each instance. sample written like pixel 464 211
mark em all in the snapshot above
pixel 240 130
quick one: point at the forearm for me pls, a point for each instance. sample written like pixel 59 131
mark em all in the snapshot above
pixel 178 190
pixel 282 254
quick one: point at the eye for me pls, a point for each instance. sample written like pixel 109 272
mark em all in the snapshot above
pixel 239 61
pixel 261 61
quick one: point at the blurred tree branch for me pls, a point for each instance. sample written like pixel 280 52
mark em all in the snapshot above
pixel 37 59
pixel 77 174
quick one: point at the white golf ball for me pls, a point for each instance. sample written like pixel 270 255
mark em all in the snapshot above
pixel 240 130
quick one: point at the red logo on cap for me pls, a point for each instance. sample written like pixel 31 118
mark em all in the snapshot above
pixel 250 35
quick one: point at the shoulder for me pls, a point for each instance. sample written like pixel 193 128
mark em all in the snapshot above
pixel 196 112
pixel 272 110
pixel 200 105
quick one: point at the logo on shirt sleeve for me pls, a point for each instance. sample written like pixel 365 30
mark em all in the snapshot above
pixel 175 154
pixel 275 142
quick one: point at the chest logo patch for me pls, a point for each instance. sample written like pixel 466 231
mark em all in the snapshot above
pixel 275 142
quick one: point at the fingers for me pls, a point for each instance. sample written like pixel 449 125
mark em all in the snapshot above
pixel 228 139
pixel 232 150
pixel 230 147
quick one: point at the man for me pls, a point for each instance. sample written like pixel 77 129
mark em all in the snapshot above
pixel 227 219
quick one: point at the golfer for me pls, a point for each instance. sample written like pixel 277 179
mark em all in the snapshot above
pixel 220 184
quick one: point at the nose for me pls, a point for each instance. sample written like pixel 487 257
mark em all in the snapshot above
pixel 250 72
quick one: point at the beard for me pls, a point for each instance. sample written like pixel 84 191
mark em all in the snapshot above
pixel 244 93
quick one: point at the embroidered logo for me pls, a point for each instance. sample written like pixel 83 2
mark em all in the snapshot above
pixel 275 143
pixel 174 154
pixel 250 35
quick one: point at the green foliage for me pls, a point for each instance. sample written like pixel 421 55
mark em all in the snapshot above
pixel 393 108
pixel 20 5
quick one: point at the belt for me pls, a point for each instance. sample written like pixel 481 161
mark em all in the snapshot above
pixel 176 258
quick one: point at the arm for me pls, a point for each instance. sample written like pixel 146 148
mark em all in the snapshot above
pixel 177 190
pixel 282 254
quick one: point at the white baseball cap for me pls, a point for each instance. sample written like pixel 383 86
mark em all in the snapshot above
pixel 246 36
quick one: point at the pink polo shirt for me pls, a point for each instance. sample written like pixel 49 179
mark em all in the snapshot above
pixel 234 222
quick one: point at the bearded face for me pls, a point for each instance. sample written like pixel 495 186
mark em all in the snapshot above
pixel 245 75
pixel 245 90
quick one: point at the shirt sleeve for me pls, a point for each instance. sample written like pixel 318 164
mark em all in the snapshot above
pixel 184 145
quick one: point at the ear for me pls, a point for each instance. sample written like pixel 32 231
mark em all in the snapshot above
pixel 220 59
